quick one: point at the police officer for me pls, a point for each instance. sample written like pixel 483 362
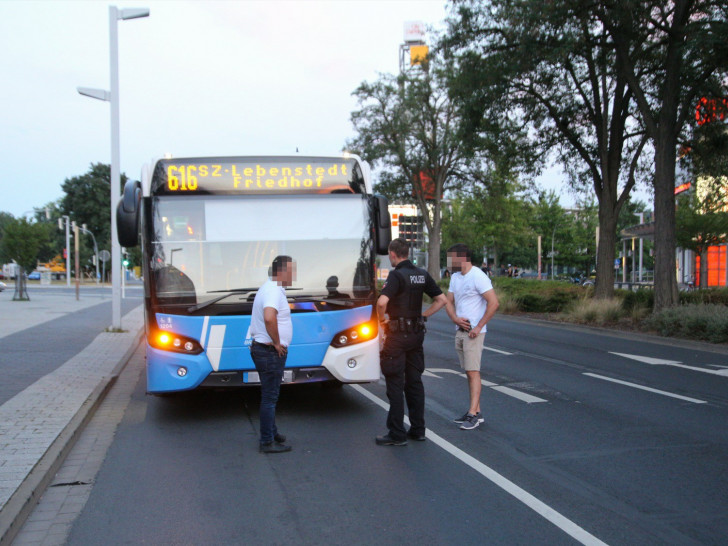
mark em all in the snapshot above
pixel 402 358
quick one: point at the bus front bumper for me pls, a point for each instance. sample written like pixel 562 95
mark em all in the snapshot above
pixel 173 372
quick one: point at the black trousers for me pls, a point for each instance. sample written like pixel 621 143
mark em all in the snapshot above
pixel 403 361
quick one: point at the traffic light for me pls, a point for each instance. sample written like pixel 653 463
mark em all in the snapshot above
pixel 411 229
pixel 124 259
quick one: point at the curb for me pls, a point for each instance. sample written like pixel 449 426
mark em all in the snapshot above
pixel 24 499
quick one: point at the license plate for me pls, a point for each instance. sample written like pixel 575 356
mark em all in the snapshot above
pixel 254 377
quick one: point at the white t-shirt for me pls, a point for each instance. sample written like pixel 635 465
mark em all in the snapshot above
pixel 271 294
pixel 468 291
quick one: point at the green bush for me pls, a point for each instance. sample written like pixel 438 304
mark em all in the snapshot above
pixel 717 296
pixel 636 299
pixel 590 311
pixel 707 322
pixel 534 296
pixel 533 303
pixel 646 298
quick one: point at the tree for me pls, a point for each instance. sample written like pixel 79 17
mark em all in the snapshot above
pixel 670 53
pixel 21 242
pixel 408 126
pixel 49 215
pixel 702 220
pixel 87 200
pixel 551 222
pixel 551 65
pixel 5 219
pixel 492 215
pixel 585 220
pixel 706 153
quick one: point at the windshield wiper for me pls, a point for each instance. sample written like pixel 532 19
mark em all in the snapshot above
pixel 336 301
pixel 232 292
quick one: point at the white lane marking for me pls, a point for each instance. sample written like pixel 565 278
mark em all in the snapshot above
pixel 649 389
pixel 648 359
pixel 538 506
pixel 673 363
pixel 430 374
pixel 527 398
pixel 214 349
pixel 203 336
pixel 445 370
pixel 496 350
pixel 499 351
pixel 505 390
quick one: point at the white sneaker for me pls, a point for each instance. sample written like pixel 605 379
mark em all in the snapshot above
pixel 471 422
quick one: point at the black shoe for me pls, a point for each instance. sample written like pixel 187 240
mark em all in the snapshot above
pixel 419 437
pixel 279 439
pixel 387 440
pixel 274 448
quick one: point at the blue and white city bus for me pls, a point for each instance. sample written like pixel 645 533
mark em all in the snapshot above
pixel 210 228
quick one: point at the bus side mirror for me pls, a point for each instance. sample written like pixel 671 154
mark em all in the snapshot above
pixel 127 214
pixel 382 224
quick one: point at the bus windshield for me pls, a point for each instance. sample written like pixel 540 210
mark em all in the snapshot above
pixel 202 247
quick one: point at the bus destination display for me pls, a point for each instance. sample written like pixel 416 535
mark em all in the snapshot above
pixel 243 176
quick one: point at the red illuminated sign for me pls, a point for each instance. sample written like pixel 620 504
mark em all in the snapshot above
pixel 682 187
pixel 708 110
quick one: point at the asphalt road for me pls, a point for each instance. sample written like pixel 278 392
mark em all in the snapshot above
pixel 29 354
pixel 566 454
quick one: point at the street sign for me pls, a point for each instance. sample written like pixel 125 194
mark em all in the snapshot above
pixel 104 256
pixel 617 263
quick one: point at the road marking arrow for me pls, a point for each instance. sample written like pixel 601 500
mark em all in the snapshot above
pixel 674 363
pixel 649 359
pixel 648 389
pixel 505 390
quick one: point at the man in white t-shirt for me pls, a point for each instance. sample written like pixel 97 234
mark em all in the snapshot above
pixel 472 294
pixel 272 330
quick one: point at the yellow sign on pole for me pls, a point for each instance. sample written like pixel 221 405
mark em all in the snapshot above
pixel 418 54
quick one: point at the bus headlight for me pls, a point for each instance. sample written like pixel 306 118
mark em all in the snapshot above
pixel 168 341
pixel 358 334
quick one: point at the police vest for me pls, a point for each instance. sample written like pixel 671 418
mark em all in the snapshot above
pixel 407 303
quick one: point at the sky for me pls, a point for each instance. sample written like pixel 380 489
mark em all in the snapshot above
pixel 196 78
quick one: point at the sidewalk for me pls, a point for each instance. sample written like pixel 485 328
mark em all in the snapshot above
pixel 39 425
pixel 42 307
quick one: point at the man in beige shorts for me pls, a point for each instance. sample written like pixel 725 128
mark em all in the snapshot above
pixel 472 294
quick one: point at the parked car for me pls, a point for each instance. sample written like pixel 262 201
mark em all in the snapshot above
pixel 34 276
pixel 531 275
pixel 3 286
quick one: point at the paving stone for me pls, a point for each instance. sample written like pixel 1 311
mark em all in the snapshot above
pixel 33 419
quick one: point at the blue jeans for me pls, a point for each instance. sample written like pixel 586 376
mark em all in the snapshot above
pixel 270 369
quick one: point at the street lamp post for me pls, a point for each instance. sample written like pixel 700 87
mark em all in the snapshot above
pixel 553 234
pixel 68 249
pixel 641 216
pixel 96 250
pixel 112 97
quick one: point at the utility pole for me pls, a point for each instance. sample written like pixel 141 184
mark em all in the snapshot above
pixel 642 221
pixel 61 221
pixel 78 268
